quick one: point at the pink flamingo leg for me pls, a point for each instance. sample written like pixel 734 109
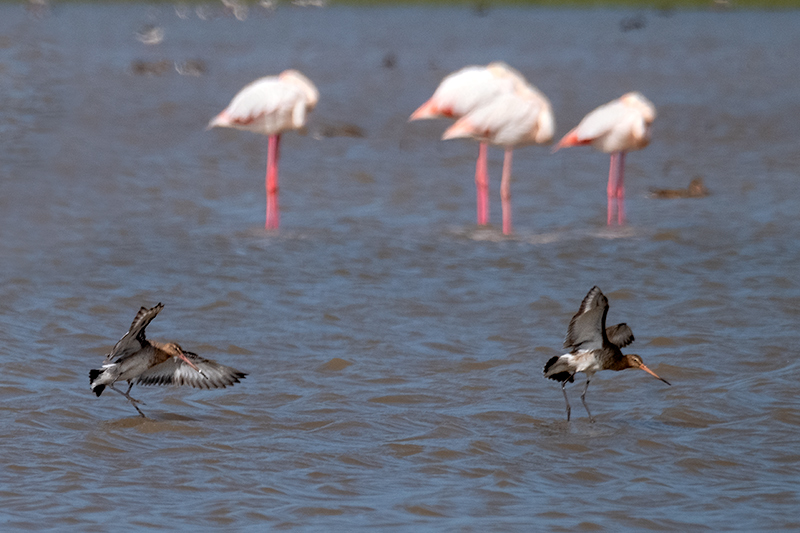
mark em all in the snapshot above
pixel 505 192
pixel 621 190
pixel 273 214
pixel 482 184
pixel 613 177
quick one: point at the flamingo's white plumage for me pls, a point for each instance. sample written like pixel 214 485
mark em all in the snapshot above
pixel 464 91
pixel 617 127
pixel 270 106
pixel 516 118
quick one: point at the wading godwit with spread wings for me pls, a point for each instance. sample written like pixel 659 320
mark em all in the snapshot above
pixel 593 347
pixel 137 360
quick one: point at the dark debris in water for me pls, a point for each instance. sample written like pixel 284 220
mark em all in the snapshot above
pixel 339 130
pixel 696 189
pixel 481 8
pixel 636 22
pixel 191 67
pixel 390 60
pixel 150 68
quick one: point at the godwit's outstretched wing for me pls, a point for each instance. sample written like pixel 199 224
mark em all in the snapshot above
pixel 586 330
pixel 175 371
pixel 134 340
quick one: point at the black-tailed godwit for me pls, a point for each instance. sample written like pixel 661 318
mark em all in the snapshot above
pixel 593 347
pixel 139 361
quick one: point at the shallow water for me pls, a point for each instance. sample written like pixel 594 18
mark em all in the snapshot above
pixel 395 349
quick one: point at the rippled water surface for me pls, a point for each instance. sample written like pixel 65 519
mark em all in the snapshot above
pixel 394 349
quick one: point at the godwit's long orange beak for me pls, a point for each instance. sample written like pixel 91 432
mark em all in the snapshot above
pixel 654 374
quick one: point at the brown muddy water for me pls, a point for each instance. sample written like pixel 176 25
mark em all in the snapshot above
pixel 394 349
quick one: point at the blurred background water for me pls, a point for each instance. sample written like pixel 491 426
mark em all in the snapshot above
pixel 395 349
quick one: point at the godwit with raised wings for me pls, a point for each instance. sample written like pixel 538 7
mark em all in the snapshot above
pixel 593 347
pixel 617 127
pixel 270 106
pixel 137 360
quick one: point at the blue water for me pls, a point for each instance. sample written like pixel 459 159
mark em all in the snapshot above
pixel 394 349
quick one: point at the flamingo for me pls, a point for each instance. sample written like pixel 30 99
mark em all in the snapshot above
pixel 617 127
pixel 463 91
pixel 137 360
pixel 593 347
pixel 513 119
pixel 270 106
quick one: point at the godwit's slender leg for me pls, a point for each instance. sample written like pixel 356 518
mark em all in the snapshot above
pixel 620 193
pixel 505 192
pixel 564 384
pixel 130 398
pixel 273 213
pixel 482 184
pixel 583 399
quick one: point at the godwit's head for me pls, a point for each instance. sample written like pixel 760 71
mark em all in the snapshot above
pixel 295 77
pixel 634 361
